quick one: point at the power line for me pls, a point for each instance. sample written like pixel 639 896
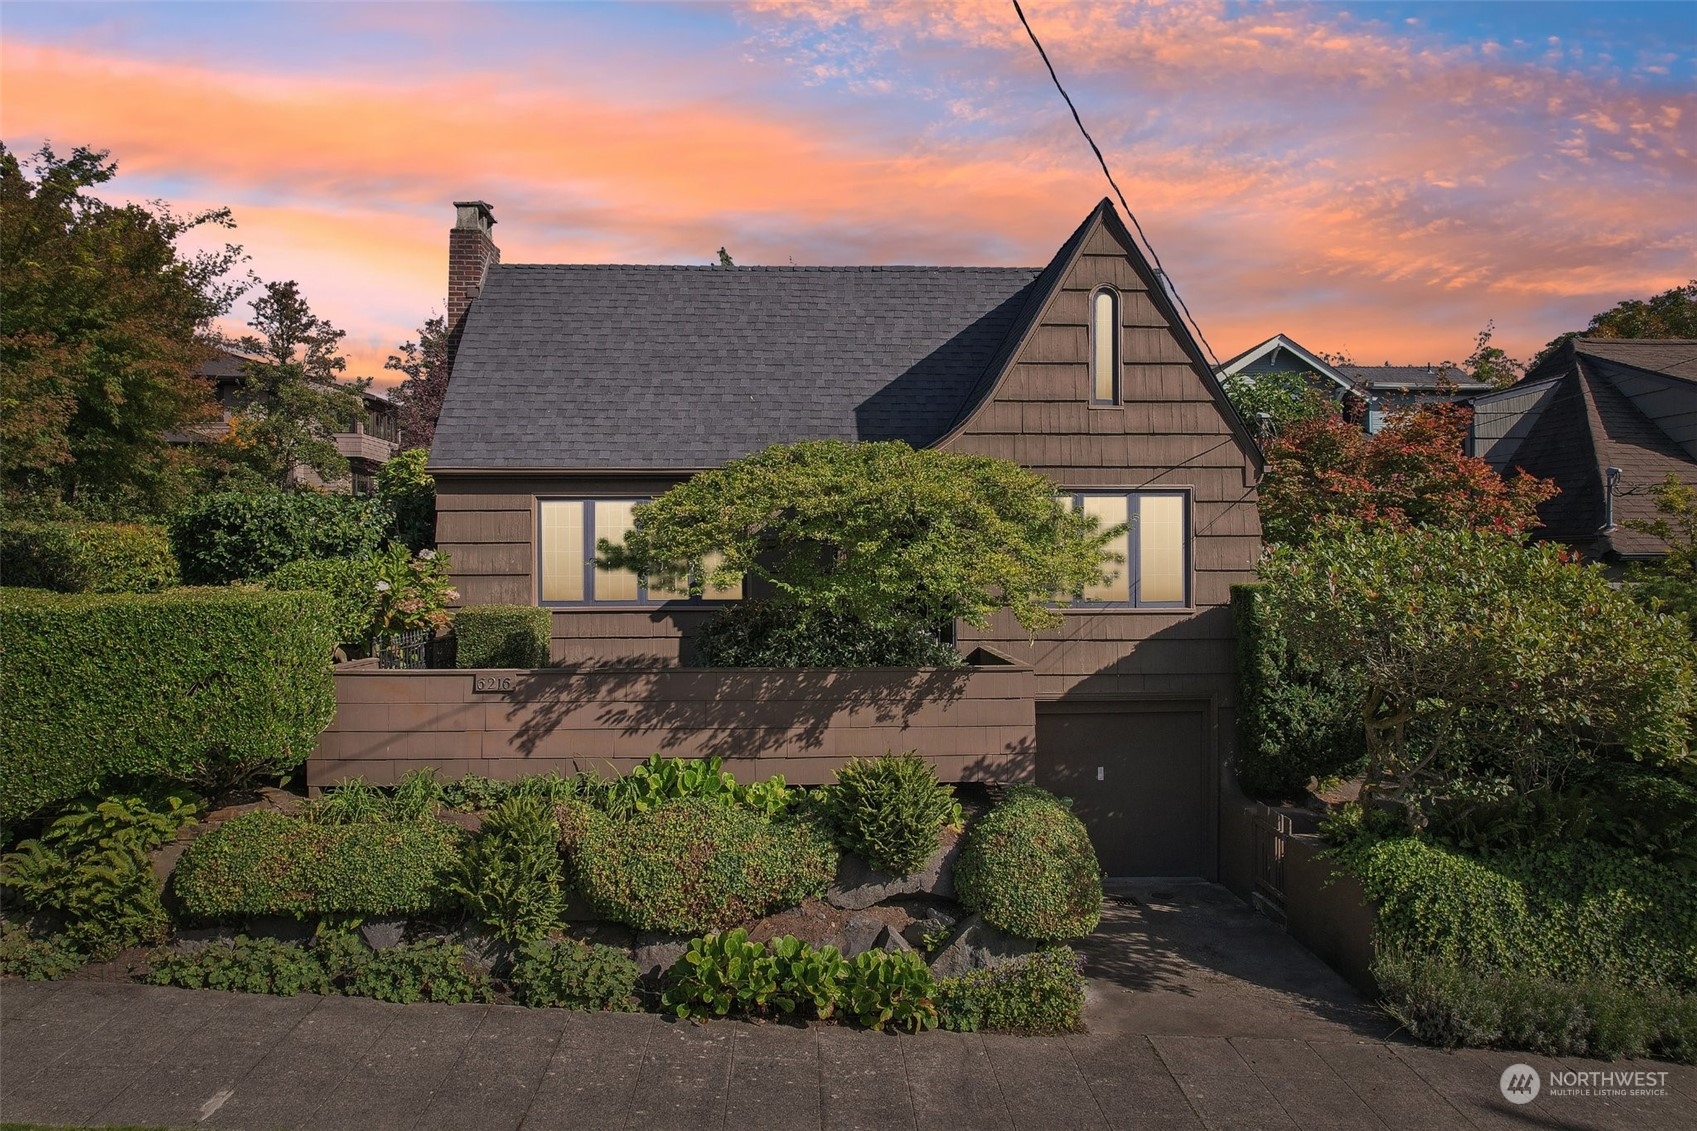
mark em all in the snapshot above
pixel 1160 271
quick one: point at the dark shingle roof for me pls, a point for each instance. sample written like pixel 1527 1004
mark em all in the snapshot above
pixel 665 367
pixel 1413 378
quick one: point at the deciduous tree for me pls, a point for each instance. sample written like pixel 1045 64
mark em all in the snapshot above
pixel 1272 402
pixel 1671 314
pixel 425 364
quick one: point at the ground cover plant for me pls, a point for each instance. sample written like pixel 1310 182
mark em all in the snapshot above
pixel 334 963
pixel 891 811
pixel 216 687
pixel 1029 868
pixel 1039 994
pixel 569 974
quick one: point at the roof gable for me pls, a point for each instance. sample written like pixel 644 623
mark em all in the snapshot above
pixel 1280 343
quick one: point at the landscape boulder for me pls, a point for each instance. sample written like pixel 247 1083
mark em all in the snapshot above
pixel 383 933
pixel 858 885
pixel 657 951
pixel 977 944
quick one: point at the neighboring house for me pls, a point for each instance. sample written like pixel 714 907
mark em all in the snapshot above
pixel 1279 354
pixel 369 446
pixel 1607 419
pixel 580 390
pixel 1393 388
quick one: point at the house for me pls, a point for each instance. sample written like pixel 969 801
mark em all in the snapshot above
pixel 369 446
pixel 1280 354
pixel 1395 388
pixel 1607 419
pixel 579 390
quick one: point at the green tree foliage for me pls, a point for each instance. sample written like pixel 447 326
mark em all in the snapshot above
pixel 1272 402
pixel 291 400
pixel 425 365
pixel 1671 314
pixel 234 536
pixel 102 317
pixel 1671 584
pixel 410 494
pixel 1413 472
pixel 1489 668
pixel 878 533
pixel 1491 364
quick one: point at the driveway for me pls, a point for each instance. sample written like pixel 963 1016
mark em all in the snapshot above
pixel 1201 1015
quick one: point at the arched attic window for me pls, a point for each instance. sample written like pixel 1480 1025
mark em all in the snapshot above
pixel 1104 346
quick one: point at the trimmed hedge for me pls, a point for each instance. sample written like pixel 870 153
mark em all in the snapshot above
pixel 695 865
pixel 502 636
pixel 267 863
pixel 1029 868
pixel 87 557
pixel 1295 721
pixel 351 585
pixel 207 686
pixel 1570 913
pixel 230 536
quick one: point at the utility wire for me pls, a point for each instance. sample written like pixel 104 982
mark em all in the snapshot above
pixel 1160 271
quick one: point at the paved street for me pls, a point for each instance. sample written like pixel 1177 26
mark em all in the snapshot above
pixel 1201 1016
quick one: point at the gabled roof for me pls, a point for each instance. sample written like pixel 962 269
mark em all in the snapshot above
pixel 1443 379
pixel 1280 343
pixel 1595 419
pixel 674 368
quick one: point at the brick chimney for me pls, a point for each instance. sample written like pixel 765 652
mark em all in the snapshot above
pixel 471 251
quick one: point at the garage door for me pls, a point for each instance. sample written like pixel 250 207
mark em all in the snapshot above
pixel 1139 778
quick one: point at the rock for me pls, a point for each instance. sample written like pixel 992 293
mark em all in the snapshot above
pixel 191 939
pixel 860 934
pixel 892 940
pixel 484 951
pixel 381 934
pixel 977 944
pixel 656 952
pixel 285 928
pixel 935 925
pixel 470 822
pixel 280 800
pixel 859 886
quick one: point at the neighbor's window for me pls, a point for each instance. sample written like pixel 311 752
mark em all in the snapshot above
pixel 1105 347
pixel 1156 573
pixel 569 530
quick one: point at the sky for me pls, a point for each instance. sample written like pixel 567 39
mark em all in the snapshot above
pixel 1372 179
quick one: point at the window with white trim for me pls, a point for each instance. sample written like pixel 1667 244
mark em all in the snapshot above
pixel 1156 545
pixel 568 531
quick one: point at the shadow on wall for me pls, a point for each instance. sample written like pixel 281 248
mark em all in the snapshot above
pixel 733 712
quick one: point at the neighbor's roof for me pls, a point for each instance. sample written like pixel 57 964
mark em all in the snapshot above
pixel 617 366
pixel 1413 378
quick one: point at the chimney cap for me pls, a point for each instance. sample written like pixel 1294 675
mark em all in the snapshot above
pixel 474 215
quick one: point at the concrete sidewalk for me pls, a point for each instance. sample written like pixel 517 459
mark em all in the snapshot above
pixel 1200 1018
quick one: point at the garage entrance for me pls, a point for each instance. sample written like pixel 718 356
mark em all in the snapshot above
pixel 1140 778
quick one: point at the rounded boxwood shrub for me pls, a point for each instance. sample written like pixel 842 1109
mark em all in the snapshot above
pixel 890 811
pixel 695 865
pixel 267 863
pixel 87 557
pixel 1028 867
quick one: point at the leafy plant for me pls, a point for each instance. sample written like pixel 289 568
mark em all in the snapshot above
pixel 1039 994
pixel 232 536
pixel 759 633
pixel 502 636
pixel 23 955
pixel 809 977
pixel 334 963
pixel 509 879
pixel 694 864
pixel 721 973
pixel 574 975
pixel 243 965
pixel 349 802
pixel 1029 868
pixel 410 494
pixel 412 592
pixel 891 988
pixel 658 780
pixel 891 811
pixel 431 970
pixel 87 557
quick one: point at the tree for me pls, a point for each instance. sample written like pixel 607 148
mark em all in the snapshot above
pixel 410 494
pixel 878 533
pixel 1272 402
pixel 1671 314
pixel 1671 584
pixel 1489 364
pixel 426 364
pixel 1488 666
pixel 291 402
pixel 102 321
pixel 1412 472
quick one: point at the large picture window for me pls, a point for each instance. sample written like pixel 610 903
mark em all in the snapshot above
pixel 568 531
pixel 1156 573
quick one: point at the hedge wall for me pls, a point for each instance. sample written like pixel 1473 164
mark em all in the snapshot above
pixel 199 685
pixel 1295 721
pixel 235 537
pixel 86 557
pixel 502 636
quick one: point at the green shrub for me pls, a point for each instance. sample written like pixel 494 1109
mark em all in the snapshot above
pixel 92 868
pixel 767 634
pixel 416 797
pixel 502 636
pixel 230 536
pixel 509 879
pixel 210 687
pixel 574 975
pixel 23 955
pixel 809 977
pixel 1028 867
pixel 1567 913
pixel 351 585
pixel 1441 1003
pixel 471 793
pixel 891 811
pixel 1296 720
pixel 659 780
pixel 332 963
pixel 87 557
pixel 410 494
pixel 891 988
pixel 694 865
pixel 265 863
pixel 719 974
pixel 1041 993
